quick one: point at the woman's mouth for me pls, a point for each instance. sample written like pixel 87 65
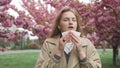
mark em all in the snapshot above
pixel 70 27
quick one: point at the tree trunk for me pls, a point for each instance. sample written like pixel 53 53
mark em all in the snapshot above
pixel 115 55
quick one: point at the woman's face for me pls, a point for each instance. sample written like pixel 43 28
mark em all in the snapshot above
pixel 68 21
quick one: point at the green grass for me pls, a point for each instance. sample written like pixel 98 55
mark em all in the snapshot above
pixel 106 58
pixel 28 60
pixel 20 60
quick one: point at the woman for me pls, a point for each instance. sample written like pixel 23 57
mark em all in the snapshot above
pixel 53 53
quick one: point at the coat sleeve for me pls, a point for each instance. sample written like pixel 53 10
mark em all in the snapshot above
pixel 93 59
pixel 45 60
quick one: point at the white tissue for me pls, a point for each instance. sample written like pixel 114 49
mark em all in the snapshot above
pixel 75 32
pixel 69 46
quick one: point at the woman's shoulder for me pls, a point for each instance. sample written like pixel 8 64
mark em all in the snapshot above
pixel 52 40
pixel 85 41
pixel 49 39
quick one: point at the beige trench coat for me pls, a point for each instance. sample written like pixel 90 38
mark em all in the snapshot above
pixel 46 60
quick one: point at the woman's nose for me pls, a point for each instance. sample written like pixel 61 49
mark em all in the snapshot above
pixel 70 22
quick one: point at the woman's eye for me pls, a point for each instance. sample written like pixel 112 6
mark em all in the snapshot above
pixel 65 20
pixel 74 20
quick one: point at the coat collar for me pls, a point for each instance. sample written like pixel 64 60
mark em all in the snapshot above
pixel 54 41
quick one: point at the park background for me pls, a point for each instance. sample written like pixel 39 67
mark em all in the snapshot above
pixel 25 24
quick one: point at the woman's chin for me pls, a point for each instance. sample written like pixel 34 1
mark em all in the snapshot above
pixel 71 29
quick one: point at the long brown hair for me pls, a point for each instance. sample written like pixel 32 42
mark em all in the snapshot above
pixel 56 31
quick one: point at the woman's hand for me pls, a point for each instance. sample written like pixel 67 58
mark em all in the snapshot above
pixel 63 40
pixel 78 42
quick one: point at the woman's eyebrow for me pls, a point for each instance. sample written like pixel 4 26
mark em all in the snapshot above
pixel 70 17
pixel 74 18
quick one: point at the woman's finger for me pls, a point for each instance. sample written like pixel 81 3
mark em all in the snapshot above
pixel 74 37
pixel 66 38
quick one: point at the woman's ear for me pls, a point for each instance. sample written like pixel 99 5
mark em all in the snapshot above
pixel 59 27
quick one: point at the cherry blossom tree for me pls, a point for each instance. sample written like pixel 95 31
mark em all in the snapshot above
pixel 6 22
pixel 105 15
pixel 40 18
pixel 4 2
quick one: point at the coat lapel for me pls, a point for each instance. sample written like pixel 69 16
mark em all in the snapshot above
pixel 73 60
pixel 63 62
